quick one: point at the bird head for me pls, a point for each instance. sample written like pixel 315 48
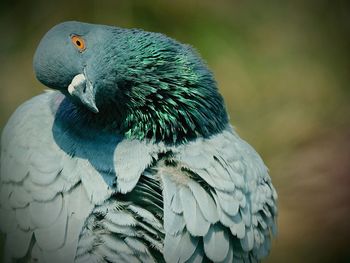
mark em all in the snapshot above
pixel 65 55
pixel 143 84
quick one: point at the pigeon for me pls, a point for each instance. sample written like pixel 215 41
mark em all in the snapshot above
pixel 129 157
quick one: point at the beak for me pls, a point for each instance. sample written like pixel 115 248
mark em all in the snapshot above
pixel 81 89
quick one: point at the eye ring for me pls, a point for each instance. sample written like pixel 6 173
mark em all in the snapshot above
pixel 78 42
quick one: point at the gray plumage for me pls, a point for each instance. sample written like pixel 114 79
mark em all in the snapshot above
pixel 75 190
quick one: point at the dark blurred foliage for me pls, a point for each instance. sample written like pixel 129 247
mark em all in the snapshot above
pixel 283 68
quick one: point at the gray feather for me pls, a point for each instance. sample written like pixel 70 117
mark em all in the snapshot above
pixel 44 214
pixel 19 197
pixel 229 256
pixel 114 243
pixel 248 241
pixel 146 216
pixel 114 228
pixel 205 202
pixel 175 203
pixel 17 243
pixel 197 256
pixel 228 202
pixel 23 218
pixel 179 248
pixel 216 243
pixel 196 224
pixel 121 218
pixel 53 237
pixel 136 245
pixel 96 188
pixel 129 168
pixel 173 223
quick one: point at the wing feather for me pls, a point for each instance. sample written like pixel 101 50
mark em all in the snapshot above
pixel 17 243
pixel 205 202
pixel 129 168
pixel 146 216
pixel 227 200
pixel 53 236
pixel 44 214
pixel 19 197
pixel 36 180
pixel 216 243
pixel 179 248
pixel 196 224
pixel 197 256
pixel 173 223
pixel 23 218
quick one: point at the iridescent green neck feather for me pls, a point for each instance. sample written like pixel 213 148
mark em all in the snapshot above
pixel 145 85
pixel 169 93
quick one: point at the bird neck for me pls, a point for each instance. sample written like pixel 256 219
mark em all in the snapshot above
pixel 166 122
pixel 159 90
pixel 168 92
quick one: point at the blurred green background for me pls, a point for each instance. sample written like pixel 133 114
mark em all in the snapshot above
pixel 283 68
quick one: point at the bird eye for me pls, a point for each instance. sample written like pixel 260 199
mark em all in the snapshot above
pixel 78 42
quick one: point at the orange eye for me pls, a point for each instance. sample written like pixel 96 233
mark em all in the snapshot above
pixel 78 42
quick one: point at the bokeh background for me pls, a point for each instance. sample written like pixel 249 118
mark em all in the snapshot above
pixel 283 68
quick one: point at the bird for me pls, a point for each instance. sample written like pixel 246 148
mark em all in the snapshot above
pixel 129 156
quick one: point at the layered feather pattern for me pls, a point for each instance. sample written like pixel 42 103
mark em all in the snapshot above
pixel 210 199
pixel 42 207
pixel 219 192
pixel 132 161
